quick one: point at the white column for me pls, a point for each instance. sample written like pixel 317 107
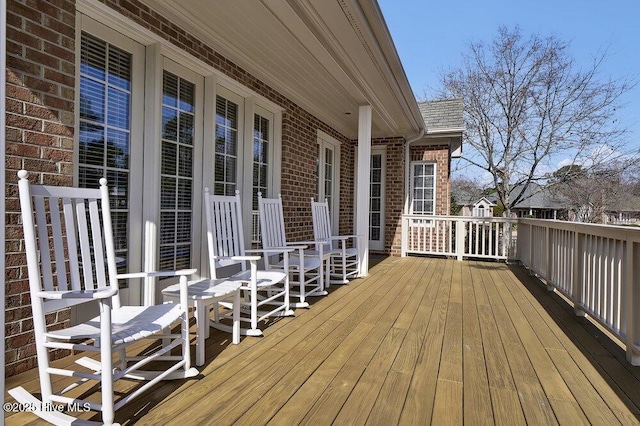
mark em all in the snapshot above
pixel 363 187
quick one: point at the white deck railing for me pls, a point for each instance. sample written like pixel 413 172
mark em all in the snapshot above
pixel 478 237
pixel 596 266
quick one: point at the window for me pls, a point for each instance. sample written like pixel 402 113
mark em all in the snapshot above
pixel 104 136
pixel 176 179
pixel 423 188
pixel 328 170
pixel 377 197
pixel 226 152
pixel 261 146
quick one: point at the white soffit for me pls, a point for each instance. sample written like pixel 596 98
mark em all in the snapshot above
pixel 328 56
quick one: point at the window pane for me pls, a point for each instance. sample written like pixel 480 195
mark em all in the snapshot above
pixel 118 106
pixel 91 147
pixel 117 149
pixel 92 95
pixel 93 54
pixel 169 124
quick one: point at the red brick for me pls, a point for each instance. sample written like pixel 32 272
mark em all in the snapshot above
pixel 42 58
pixel 59 52
pixel 23 150
pixel 59 27
pixel 40 139
pixel 40 165
pixel 42 32
pixel 23 38
pixel 38 111
pixel 22 65
pixel 58 103
pixel 14 106
pixel 57 129
pixel 23 122
pixel 24 11
pixel 40 85
pixel 44 7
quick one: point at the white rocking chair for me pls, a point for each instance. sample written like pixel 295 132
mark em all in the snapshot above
pixel 344 260
pixel 306 264
pixel 266 291
pixel 71 261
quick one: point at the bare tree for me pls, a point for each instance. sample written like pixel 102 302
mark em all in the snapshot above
pixel 527 102
pixel 591 194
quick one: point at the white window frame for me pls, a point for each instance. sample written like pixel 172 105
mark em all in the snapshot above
pixel 132 293
pixel 382 151
pixel 422 222
pixel 326 141
pixel 198 142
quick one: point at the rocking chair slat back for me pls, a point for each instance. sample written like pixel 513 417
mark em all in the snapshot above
pixel 79 260
pixel 321 220
pixel 272 222
pixel 224 215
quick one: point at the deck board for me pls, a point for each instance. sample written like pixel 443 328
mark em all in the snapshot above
pixel 420 340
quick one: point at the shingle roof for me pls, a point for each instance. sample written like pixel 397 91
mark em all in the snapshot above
pixel 442 114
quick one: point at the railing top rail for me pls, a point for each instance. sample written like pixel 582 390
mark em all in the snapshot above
pixel 463 218
pixel 606 231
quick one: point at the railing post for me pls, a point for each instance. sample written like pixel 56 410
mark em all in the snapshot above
pixel 578 266
pixel 405 236
pixel 547 266
pixel 630 295
pixel 460 230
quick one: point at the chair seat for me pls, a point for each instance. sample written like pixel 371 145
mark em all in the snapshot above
pixel 129 323
pixel 309 262
pixel 203 289
pixel 350 252
pixel 265 278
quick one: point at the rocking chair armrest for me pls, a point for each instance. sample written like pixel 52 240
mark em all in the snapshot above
pixel 273 250
pixel 294 246
pixel 103 293
pixel 312 243
pixel 158 274
pixel 255 258
pixel 345 237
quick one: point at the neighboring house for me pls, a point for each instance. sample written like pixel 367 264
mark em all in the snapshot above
pixel 164 98
pixel 482 208
pixel 473 205
pixel 538 202
pixel 625 212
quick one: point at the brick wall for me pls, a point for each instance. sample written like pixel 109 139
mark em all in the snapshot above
pixel 40 129
pixel 39 135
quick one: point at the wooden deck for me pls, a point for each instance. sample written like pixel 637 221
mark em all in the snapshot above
pixel 419 341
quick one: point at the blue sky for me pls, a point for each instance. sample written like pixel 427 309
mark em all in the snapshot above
pixel 430 36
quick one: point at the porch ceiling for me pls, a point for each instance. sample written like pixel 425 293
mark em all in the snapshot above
pixel 329 57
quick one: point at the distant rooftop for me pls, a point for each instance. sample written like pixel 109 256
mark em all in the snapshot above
pixel 443 114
